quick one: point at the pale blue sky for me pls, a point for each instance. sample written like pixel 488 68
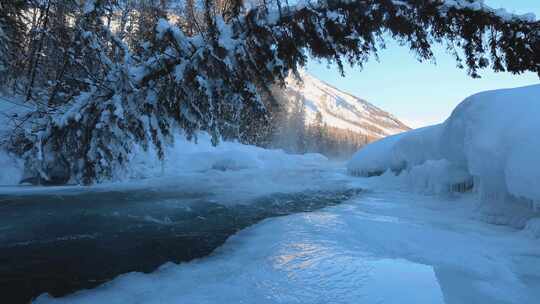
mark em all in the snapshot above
pixel 422 93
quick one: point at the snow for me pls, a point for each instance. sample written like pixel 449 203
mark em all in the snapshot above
pixel 491 138
pixel 385 246
pixel 11 167
pixel 479 5
pixel 397 152
pixel 342 110
pixel 231 169
pixel 185 156
pixel 233 172
pixel 89 6
pixel 162 27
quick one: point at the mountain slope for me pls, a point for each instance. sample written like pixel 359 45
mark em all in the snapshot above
pixel 342 110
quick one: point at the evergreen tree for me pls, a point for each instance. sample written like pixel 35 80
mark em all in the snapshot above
pixel 319 132
pixel 12 37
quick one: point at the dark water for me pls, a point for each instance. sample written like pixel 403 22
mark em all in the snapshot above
pixel 60 243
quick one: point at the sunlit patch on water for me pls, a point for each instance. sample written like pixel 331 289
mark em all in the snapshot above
pixel 316 272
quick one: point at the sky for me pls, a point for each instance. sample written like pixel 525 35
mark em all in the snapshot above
pixel 421 94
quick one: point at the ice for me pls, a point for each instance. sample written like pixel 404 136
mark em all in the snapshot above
pixel 491 138
pixel 437 177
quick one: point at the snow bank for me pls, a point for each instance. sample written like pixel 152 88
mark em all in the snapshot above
pixel 11 169
pixel 233 172
pixel 396 152
pixel 491 138
pixel 188 156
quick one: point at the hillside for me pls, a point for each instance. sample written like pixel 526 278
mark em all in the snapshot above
pixel 342 110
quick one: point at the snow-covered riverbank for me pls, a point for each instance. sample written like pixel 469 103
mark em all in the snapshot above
pixel 489 145
pixel 65 238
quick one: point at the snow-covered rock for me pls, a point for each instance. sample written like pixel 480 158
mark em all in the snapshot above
pixel 491 137
pixel 342 110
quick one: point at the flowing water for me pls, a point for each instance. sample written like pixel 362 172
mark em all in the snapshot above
pixel 64 241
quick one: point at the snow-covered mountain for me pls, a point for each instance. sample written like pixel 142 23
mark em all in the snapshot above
pixel 343 110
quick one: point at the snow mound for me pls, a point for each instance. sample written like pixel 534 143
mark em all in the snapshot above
pixel 396 152
pixel 184 156
pixel 491 139
pixel 11 169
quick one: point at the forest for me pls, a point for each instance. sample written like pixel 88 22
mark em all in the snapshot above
pixel 291 131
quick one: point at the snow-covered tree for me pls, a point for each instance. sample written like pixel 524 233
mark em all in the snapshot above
pixel 12 34
pixel 318 130
pixel 122 94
